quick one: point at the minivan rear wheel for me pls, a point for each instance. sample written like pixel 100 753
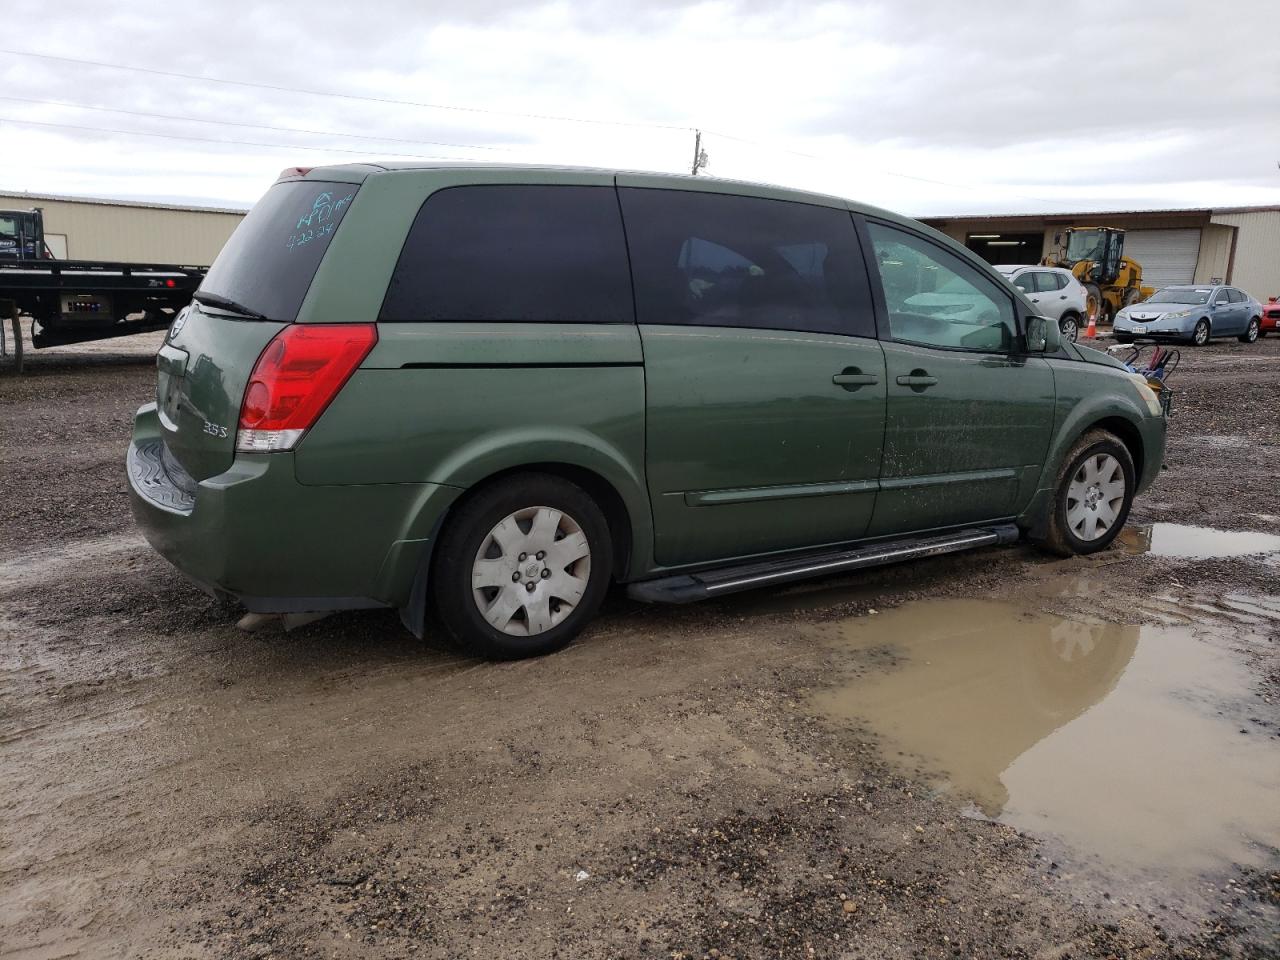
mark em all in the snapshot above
pixel 1092 498
pixel 521 567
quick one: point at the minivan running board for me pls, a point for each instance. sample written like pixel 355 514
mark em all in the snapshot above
pixel 686 588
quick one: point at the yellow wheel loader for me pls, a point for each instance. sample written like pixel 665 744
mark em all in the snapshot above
pixel 1095 256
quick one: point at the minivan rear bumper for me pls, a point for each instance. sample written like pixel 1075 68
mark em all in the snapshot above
pixel 256 535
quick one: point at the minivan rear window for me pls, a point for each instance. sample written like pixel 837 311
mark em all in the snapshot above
pixel 272 257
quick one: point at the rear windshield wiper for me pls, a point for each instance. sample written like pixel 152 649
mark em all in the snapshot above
pixel 225 303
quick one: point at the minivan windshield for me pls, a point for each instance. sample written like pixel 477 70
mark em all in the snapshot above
pixel 271 259
pixel 1181 295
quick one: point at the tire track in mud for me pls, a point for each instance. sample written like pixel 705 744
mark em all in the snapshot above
pixel 50 563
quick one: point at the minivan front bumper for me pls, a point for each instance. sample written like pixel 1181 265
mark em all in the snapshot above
pixel 256 535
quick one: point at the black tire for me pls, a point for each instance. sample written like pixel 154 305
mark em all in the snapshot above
pixel 1069 324
pixel 470 529
pixel 1201 334
pixel 1061 538
pixel 1251 332
pixel 1092 292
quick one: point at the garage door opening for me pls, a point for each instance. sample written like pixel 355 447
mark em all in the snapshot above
pixel 1166 256
pixel 1007 247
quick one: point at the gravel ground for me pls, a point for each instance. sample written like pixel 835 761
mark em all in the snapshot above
pixel 174 787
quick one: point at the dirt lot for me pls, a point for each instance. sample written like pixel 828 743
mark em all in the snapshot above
pixel 174 787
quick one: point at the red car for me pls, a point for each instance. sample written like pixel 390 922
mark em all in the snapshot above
pixel 1270 317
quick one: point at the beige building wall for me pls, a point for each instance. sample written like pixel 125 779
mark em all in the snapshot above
pixel 1256 269
pixel 130 233
pixel 1215 252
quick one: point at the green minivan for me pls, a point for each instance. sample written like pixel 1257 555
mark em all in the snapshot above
pixel 485 393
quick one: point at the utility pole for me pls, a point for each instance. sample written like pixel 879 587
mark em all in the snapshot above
pixel 699 155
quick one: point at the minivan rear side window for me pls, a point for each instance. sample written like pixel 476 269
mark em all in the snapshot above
pixel 513 253
pixel 713 259
pixel 272 257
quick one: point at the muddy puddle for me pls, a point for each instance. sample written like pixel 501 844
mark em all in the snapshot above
pixel 1135 746
pixel 1177 540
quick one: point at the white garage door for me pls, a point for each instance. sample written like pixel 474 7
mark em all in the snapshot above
pixel 1166 256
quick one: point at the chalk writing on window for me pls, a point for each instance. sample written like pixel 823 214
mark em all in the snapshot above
pixel 320 221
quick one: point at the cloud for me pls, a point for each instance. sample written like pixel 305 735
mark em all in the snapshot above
pixel 920 105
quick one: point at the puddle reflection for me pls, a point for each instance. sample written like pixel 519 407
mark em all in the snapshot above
pixel 1178 540
pixel 1124 741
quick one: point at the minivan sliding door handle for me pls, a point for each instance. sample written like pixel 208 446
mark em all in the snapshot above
pixel 851 378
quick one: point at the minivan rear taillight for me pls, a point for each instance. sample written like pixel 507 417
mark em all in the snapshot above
pixel 295 378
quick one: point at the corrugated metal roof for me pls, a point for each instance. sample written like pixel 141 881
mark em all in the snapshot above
pixel 24 197
pixel 1167 212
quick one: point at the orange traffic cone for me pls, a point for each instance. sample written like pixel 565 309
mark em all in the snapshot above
pixel 1092 330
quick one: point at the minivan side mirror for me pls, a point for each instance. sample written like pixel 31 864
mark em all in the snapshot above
pixel 1043 335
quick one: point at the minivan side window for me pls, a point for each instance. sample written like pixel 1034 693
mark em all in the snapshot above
pixel 536 253
pixel 712 259
pixel 937 299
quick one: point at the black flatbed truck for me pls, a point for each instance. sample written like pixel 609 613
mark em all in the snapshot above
pixel 73 301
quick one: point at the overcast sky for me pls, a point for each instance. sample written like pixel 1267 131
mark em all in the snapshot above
pixel 922 106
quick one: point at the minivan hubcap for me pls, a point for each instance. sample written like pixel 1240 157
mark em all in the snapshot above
pixel 531 571
pixel 1095 497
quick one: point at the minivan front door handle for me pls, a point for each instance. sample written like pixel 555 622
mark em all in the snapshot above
pixel 851 378
pixel 917 379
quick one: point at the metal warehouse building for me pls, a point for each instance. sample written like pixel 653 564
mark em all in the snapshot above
pixel 1239 245
pixel 79 228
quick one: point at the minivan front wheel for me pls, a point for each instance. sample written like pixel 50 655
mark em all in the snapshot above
pixel 522 567
pixel 1092 499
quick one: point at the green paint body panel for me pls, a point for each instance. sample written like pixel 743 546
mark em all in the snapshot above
pixel 721 443
pixel 256 531
pixel 202 373
pixel 566 394
pixel 756 413
pixel 972 445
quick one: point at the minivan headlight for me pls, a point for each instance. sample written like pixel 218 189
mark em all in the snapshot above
pixel 1144 390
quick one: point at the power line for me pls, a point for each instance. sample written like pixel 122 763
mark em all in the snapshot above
pixel 256 126
pixel 241 143
pixel 421 105
pixel 346 96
